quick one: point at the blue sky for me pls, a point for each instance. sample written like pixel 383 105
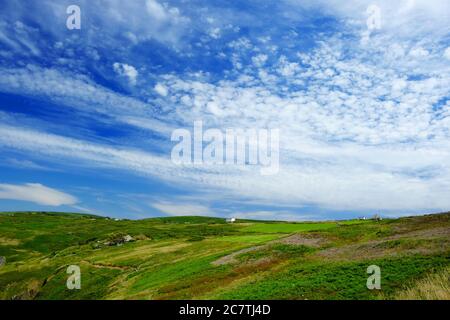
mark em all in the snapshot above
pixel 86 115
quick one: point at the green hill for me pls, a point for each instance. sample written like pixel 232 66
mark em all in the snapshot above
pixel 207 258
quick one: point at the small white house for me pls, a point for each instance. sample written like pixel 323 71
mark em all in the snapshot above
pixel 231 220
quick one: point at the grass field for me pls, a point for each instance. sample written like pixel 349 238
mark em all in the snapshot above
pixel 206 258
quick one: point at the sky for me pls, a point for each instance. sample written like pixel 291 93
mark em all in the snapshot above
pixel 359 91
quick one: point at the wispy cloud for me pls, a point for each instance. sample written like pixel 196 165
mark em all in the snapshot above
pixel 364 124
pixel 274 215
pixel 36 193
pixel 182 209
pixel 125 70
pixel 26 164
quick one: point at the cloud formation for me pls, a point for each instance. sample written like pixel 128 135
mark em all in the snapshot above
pixel 364 117
pixel 185 209
pixel 130 72
pixel 36 193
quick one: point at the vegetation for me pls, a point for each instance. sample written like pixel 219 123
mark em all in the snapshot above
pixel 433 287
pixel 207 258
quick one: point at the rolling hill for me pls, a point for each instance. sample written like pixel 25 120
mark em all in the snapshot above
pixel 207 258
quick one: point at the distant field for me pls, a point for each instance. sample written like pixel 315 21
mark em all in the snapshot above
pixel 296 227
pixel 206 258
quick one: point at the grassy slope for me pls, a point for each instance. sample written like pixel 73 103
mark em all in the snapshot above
pixel 434 286
pixel 177 258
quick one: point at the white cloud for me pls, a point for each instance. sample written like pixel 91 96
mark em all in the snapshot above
pixel 156 10
pixel 359 129
pixel 356 137
pixel 162 12
pixel 349 181
pixel 286 68
pixel 447 53
pixel 78 91
pixel 419 52
pixel 215 33
pixel 126 70
pixel 242 43
pixel 274 215
pixel 184 209
pixel 20 38
pixel 259 60
pixel 61 147
pixel 361 135
pixel 405 18
pixel 161 90
pixel 26 164
pixel 398 85
pixel 151 20
pixel 37 193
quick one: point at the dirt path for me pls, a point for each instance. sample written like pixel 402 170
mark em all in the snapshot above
pixel 98 266
pixel 301 239
pixel 231 258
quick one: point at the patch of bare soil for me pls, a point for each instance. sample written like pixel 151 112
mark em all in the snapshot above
pixel 355 252
pixel 385 247
pixel 380 248
pixel 423 234
pixel 302 239
pixel 294 239
pixel 231 258
pixel 104 266
pixel 351 252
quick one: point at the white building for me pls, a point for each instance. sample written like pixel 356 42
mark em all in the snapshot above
pixel 231 220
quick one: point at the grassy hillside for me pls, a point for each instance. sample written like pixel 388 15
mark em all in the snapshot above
pixel 206 258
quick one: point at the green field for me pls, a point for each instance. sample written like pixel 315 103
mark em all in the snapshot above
pixel 206 258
